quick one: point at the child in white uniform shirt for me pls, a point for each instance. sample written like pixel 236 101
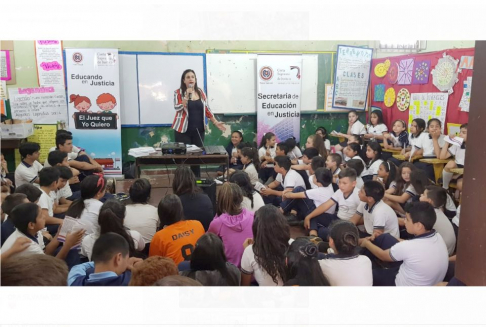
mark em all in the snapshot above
pixel 266 153
pixel 251 164
pixel 376 128
pixel 425 259
pixel 322 132
pixel 359 167
pixel 345 267
pixel 316 163
pixel 355 128
pixel 48 179
pixel 401 191
pixel 415 142
pixel 346 198
pixel 304 202
pixel 28 170
pixel 432 142
pixel 459 152
pixel 87 208
pixel 373 153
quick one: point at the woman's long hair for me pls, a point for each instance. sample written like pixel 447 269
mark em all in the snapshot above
pixel 183 85
pixel 184 182
pixel 242 179
pixel 230 197
pixel 90 186
pixel 318 143
pixel 271 234
pixel 303 268
pixel 110 219
pixel 209 255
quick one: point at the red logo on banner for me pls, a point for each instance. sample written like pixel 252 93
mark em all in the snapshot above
pixel 266 73
pixel 77 57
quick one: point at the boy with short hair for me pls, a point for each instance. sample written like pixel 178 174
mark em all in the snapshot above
pixel 58 158
pixel 111 265
pixel 27 171
pixel 358 166
pixel 437 197
pixel 49 178
pixel 316 163
pixel 303 165
pixel 346 198
pixel 282 149
pixel 425 258
pixel 80 161
pixel 8 205
pixel 287 179
pixel 333 163
pixel 33 193
pixel 377 216
pixel 61 203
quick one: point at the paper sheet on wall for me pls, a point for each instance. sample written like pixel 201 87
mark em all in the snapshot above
pixel 3 90
pixel 44 105
pixel 427 106
pixel 466 95
pixel 50 65
pixel 45 135
pixel 5 73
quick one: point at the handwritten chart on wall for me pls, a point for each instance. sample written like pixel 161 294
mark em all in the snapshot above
pixel 44 105
pixel 45 135
pixel 427 106
pixel 352 78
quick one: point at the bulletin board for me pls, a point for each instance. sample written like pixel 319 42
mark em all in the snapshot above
pixel 390 81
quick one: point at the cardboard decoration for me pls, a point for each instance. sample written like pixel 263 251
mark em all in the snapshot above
pixel 382 68
pixel 393 73
pixel 405 71
pixel 379 93
pixel 421 72
pixel 390 97
pixel 403 99
pixel 444 75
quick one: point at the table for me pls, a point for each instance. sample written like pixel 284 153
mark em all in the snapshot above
pixel 402 157
pixel 438 165
pixel 195 159
pixel 391 151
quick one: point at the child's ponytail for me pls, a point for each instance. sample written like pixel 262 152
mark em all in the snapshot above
pixel 267 136
pixel 90 186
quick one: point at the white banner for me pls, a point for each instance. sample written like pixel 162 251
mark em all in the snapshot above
pixel 50 66
pixel 352 78
pixel 279 82
pixel 44 105
pixel 94 100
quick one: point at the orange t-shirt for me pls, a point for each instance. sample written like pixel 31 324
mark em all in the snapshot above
pixel 177 241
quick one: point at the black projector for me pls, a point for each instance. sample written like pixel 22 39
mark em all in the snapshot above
pixel 174 148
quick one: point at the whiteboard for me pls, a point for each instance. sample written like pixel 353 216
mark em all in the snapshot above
pixel 159 75
pixel 232 82
pixel 128 90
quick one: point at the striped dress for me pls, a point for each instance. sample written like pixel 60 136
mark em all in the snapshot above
pixel 181 117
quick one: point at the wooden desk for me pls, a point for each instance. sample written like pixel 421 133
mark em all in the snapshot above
pixel 158 158
pixel 458 171
pixel 438 165
pixel 391 151
pixel 402 157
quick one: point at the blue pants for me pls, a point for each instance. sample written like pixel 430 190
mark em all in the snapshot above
pixel 321 224
pixel 428 168
pixel 273 199
pixel 302 206
pixel 265 173
pixel 384 277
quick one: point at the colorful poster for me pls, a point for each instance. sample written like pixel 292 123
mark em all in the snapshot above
pixel 444 75
pixel 5 71
pixel 45 135
pixel 44 105
pixel 50 66
pixel 427 106
pixel 389 97
pixel 403 99
pixel 279 85
pixel 421 72
pixel 93 87
pixel 405 71
pixel 467 62
pixel 352 78
pixel 379 93
pixel 466 94
pixel 393 73
pixel 328 100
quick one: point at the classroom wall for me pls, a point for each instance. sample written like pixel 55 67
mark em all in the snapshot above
pixel 131 137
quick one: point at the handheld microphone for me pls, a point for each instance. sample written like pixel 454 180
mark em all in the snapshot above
pixel 190 94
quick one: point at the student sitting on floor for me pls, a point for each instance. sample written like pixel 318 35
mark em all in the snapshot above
pixel 177 237
pixel 359 167
pixel 232 223
pixel 304 165
pixel 266 152
pixel 294 150
pixel 87 207
pixel 305 201
pixel 378 218
pixel 29 220
pixel 58 158
pixel 459 153
pixel 48 179
pixel 140 215
pixel 345 267
pixel 8 205
pixel 110 220
pixel 437 196
pixel 302 265
pixel 373 153
pixel 316 142
pixel 346 198
pixel 252 200
pixel 34 270
pixel 264 255
pixel 251 163
pixel 387 173
pixel 28 170
pixel 209 265
pixel 33 193
pixel 352 151
pixel 150 270
pixel 316 163
pixel 425 258
pixel 401 191
pixel 61 203
pixel 322 132
pixel 111 265
pixel 287 179
pixel 333 163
